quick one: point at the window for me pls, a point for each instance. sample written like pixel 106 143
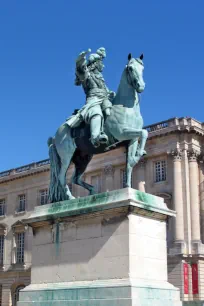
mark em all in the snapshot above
pixel 2 207
pixel 123 176
pixel 22 202
pixel 20 238
pixel 43 197
pixel 16 294
pixel 96 182
pixel 1 249
pixel 160 171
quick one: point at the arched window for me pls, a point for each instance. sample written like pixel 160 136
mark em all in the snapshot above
pixel 16 294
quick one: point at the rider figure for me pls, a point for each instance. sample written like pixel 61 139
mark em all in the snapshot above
pixel 98 96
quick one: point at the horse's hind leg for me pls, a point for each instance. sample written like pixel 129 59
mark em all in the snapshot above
pixel 81 162
pixel 62 178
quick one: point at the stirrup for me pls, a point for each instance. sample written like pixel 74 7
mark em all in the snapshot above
pixel 95 142
pixel 103 138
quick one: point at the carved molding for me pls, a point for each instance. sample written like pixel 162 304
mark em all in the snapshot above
pixel 176 154
pixel 108 170
pixel 19 227
pixel 3 230
pixel 201 158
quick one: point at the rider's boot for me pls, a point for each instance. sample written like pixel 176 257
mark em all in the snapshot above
pixel 97 137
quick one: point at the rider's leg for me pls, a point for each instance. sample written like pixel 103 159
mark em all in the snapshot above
pixel 95 127
pixel 106 107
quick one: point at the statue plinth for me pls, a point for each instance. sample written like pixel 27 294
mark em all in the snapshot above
pixel 108 249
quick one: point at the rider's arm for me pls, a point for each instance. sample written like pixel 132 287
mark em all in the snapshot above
pixel 82 71
pixel 111 94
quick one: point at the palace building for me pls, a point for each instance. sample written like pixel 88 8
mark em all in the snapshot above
pixel 173 169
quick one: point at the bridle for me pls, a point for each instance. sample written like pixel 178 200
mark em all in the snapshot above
pixel 131 82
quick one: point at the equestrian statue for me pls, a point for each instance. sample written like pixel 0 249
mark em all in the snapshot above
pixel 106 121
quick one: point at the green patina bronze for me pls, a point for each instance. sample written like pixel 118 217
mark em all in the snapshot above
pixel 106 121
pixel 150 204
pixel 98 96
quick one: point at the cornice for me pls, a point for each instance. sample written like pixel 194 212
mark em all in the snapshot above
pixel 24 171
pixel 175 125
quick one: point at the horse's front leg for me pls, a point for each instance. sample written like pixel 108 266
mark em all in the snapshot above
pixel 144 136
pixel 130 133
pixel 132 149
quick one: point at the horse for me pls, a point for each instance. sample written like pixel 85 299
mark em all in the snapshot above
pixel 124 126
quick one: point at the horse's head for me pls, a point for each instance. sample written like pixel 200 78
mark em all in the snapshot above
pixel 134 70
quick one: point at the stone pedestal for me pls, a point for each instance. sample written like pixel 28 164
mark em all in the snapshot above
pixel 108 249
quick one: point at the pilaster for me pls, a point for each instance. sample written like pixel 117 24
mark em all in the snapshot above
pixel 179 246
pixel 194 198
pixel 201 192
pixel 3 232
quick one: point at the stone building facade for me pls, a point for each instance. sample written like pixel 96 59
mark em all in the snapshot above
pixel 173 169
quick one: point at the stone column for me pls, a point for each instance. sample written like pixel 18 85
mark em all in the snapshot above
pixel 140 176
pixel 201 191
pixel 178 196
pixel 194 196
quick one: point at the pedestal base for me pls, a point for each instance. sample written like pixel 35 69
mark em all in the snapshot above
pixel 112 292
pixel 103 250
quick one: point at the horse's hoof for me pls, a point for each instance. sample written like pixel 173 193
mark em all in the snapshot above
pixel 72 198
pixel 92 192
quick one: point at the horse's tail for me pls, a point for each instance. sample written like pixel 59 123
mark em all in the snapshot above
pixel 55 165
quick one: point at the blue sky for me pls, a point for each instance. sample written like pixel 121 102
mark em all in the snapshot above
pixel 39 41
